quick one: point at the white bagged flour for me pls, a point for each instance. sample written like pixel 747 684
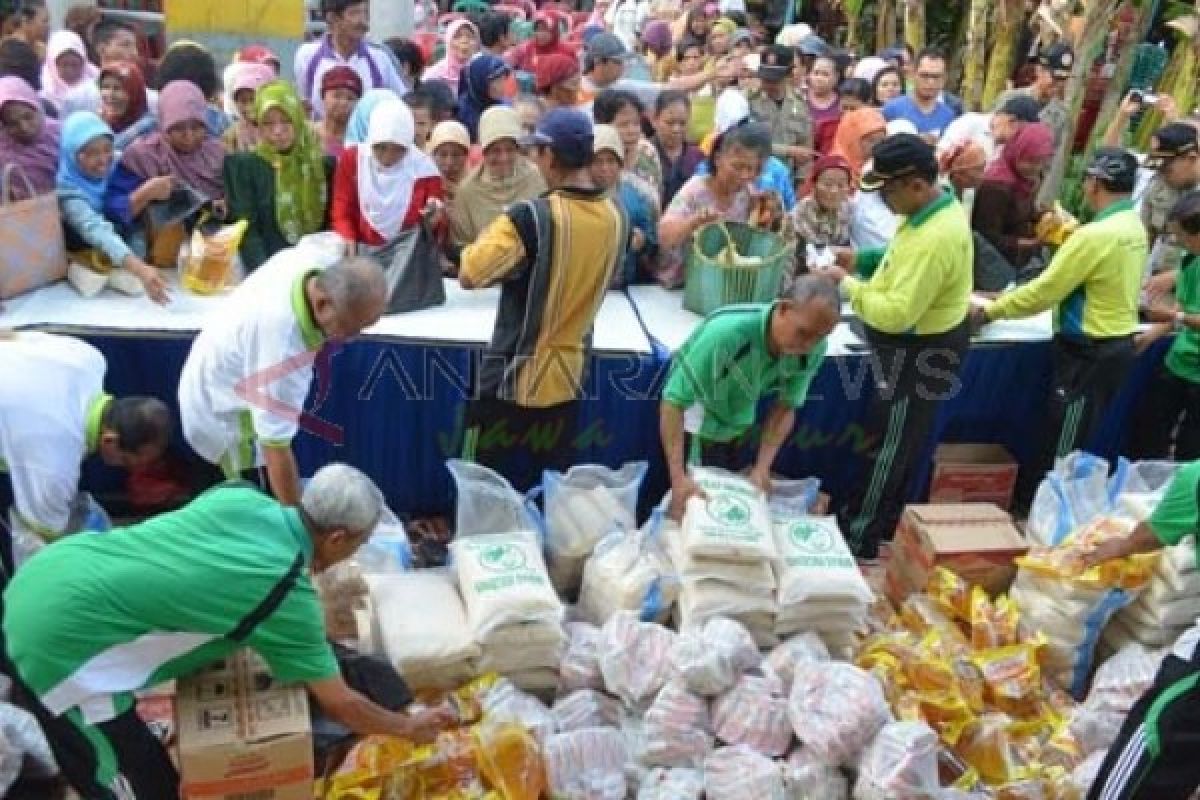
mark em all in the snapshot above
pixel 815 564
pixel 731 524
pixel 504 582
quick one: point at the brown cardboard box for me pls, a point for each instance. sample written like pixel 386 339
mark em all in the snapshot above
pixel 973 473
pixel 241 734
pixel 975 540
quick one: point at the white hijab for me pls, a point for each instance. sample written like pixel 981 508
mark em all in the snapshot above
pixel 384 193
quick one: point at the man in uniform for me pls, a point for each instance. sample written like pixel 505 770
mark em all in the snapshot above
pixel 718 378
pixel 1053 69
pixel 1092 284
pixel 1174 158
pixel 912 298
pixel 778 106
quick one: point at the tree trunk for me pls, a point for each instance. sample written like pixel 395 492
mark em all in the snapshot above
pixel 958 50
pixel 885 26
pixel 914 24
pixel 1096 20
pixel 1007 23
pixel 975 55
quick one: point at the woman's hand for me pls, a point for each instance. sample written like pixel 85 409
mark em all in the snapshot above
pixel 160 188
pixel 151 278
pixel 704 216
pixel 637 240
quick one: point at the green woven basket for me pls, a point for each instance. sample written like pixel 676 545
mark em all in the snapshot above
pixel 713 281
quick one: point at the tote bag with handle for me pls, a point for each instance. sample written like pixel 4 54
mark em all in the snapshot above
pixel 31 238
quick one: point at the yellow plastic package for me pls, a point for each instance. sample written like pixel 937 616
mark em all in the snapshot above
pixel 950 592
pixel 1012 679
pixel 946 712
pixel 208 266
pixel 510 760
pixel 1064 562
pixel 993 623
pixel 921 614
pixel 987 746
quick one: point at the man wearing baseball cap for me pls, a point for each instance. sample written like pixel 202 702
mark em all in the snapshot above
pixel 603 63
pixel 1054 66
pixel 1174 158
pixel 553 258
pixel 777 105
pixel 1092 284
pixel 912 298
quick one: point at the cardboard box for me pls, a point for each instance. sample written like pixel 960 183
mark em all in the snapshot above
pixel 975 540
pixel 973 473
pixel 241 734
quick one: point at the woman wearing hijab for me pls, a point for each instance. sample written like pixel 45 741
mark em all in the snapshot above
pixel 546 40
pixel 383 186
pixel 66 66
pixel 180 152
pixel 481 86
pixel 279 188
pixel 462 42
pixel 857 134
pixel 341 89
pixel 823 214
pixel 1005 210
pixel 27 138
pixel 124 106
pixel 360 119
pixel 962 165
pixel 245 80
pixel 655 46
pixel 558 81
pixel 85 166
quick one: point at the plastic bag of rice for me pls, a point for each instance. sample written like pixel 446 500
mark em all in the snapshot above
pixel 836 709
pixel 504 582
pixel 738 773
pixel 635 657
pixel 675 783
pixel 815 563
pixel 754 713
pixel 580 664
pixel 805 647
pixel 585 708
pixel 676 731
pixel 587 764
pixel 629 571
pixel 710 659
pixel 806 778
pixel 731 523
pixel 505 701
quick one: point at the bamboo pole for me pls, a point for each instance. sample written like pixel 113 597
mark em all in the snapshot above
pixel 914 24
pixel 975 55
pixel 885 25
pixel 1007 23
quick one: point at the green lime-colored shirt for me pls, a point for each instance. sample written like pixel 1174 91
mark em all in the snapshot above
pixel 1179 512
pixel 726 367
pixel 1183 359
pixel 92 618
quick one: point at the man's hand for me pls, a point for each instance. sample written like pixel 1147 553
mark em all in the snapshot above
pixel 1143 340
pixel 761 478
pixel 682 490
pixel 1168 108
pixel 422 727
pixel 844 258
pixel 1104 551
pixel 1160 285
pixel 1129 106
pixel 978 319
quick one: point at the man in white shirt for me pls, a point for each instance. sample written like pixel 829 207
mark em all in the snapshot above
pixel 54 413
pixel 243 387
pixel 345 43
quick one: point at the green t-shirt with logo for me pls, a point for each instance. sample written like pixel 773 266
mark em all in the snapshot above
pixel 92 618
pixel 1179 512
pixel 1183 359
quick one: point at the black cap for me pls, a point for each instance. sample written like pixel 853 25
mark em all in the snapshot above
pixel 1176 139
pixel 777 62
pixel 1059 58
pixel 897 156
pixel 1115 167
pixel 566 131
pixel 1021 106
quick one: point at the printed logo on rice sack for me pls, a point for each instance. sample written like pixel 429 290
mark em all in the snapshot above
pixel 814 545
pixel 510 564
pixel 731 511
pixel 501 558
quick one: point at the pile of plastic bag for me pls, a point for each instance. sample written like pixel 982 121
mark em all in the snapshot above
pixel 583 506
pixel 723 554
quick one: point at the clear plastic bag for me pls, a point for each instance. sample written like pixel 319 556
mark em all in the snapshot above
pixel 803 647
pixel 634 657
pixel 487 502
pixel 88 516
pixel 504 702
pixel 738 773
pixel 793 498
pixel 836 710
pixel 899 764
pixel 1084 775
pixel 585 708
pixel 387 550
pixel 677 729
pixel 806 778
pixel 22 732
pixel 629 571
pixel 1123 679
pixel 1074 493
pixel 675 783
pixel 754 713
pixel 710 659
pixel 587 764
pixel 582 506
pixel 580 664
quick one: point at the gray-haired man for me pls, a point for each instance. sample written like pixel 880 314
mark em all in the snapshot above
pixel 229 570
pixel 243 387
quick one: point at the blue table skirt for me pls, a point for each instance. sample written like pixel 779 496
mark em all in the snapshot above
pixel 396 412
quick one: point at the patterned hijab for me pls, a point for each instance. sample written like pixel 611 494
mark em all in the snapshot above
pixel 300 186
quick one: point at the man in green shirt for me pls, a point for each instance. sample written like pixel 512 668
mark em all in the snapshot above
pixel 1169 412
pixel 738 356
pixel 1093 284
pixel 90 620
pixel 1154 755
pixel 912 299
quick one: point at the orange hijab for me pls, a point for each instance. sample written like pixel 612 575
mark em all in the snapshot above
pixel 855 125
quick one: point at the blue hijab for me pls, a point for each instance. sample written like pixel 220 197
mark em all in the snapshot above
pixel 360 120
pixel 473 84
pixel 79 129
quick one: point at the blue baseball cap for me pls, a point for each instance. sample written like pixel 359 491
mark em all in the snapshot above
pixel 565 131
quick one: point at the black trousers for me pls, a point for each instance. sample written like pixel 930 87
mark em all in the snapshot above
pixel 1086 377
pixel 1155 754
pixel 520 442
pixel 722 455
pixel 1168 414
pixel 913 376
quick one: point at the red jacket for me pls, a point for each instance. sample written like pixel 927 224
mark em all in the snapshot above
pixel 346 214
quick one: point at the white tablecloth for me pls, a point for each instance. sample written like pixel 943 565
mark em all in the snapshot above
pixel 466 318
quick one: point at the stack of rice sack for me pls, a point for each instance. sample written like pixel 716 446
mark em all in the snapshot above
pixel 513 612
pixel 723 554
pixel 423 627
pixel 820 586
pixel 1169 604
pixel 583 506
pixel 1072 608
pixel 629 571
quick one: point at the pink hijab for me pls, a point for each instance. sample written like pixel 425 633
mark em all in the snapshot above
pixel 1034 142
pixel 54 88
pixel 38 160
pixel 152 155
pixel 450 67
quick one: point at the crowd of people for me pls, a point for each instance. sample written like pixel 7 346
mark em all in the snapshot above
pixel 585 157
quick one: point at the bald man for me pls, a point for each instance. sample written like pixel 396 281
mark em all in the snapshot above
pixel 248 374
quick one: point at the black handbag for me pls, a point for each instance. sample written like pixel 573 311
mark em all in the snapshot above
pixel 413 269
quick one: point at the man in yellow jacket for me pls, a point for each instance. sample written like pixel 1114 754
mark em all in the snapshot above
pixel 1093 285
pixel 912 298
